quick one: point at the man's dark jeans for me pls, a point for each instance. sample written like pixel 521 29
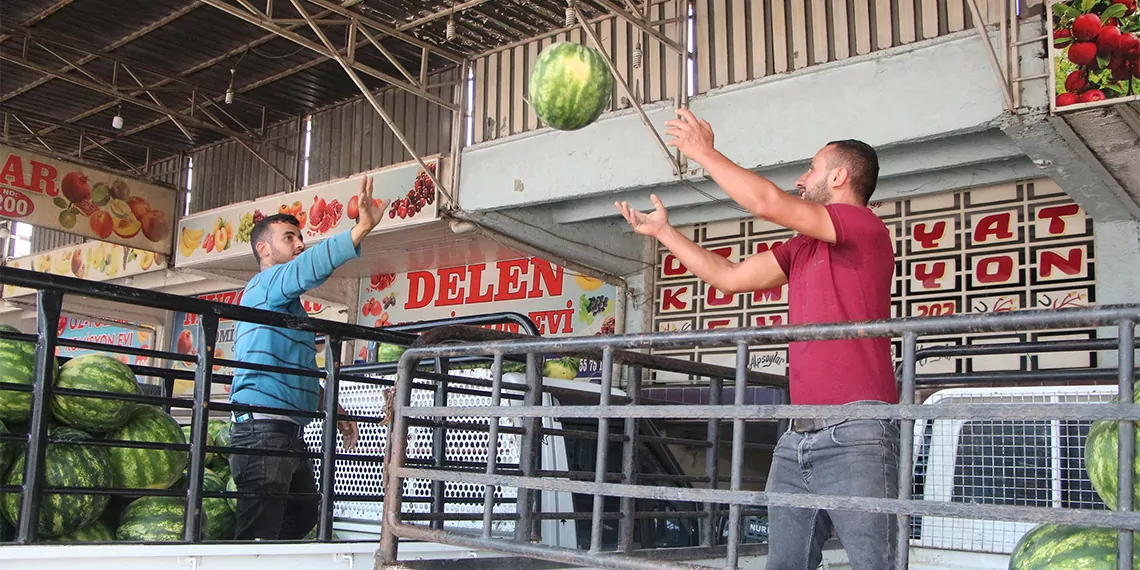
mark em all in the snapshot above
pixel 273 518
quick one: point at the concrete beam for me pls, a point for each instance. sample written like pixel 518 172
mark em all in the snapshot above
pixel 1063 156
pixel 912 93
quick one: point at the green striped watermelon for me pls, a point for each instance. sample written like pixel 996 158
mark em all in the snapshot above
pixel 95 372
pixel 1101 462
pixel 7 531
pixel 134 468
pixel 210 456
pixel 231 487
pixel 570 86
pixel 3 451
pixel 221 521
pixel 17 366
pixel 221 468
pixel 66 465
pixel 153 519
pixel 97 531
pixel 1064 547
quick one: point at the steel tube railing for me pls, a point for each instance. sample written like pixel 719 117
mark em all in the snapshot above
pixel 906 412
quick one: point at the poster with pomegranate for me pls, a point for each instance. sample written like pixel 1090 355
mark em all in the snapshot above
pixel 184 328
pixel 92 260
pixel 50 193
pixel 1095 53
pixel 561 302
pixel 322 210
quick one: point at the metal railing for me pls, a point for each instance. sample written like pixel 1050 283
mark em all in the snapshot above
pixel 627 485
pixel 51 291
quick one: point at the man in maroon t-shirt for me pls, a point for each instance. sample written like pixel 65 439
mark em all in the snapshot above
pixel 838 269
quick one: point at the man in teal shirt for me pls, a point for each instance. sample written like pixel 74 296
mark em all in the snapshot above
pixel 288 270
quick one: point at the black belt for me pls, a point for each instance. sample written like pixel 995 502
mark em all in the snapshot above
pixel 276 426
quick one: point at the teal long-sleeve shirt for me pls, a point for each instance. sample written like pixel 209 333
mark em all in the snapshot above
pixel 279 288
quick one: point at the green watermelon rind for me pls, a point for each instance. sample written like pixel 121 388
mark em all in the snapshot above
pixel 66 465
pixel 221 520
pixel 97 531
pixel 137 468
pixel 152 519
pixel 1064 547
pixel 570 86
pixel 99 373
pixel 17 366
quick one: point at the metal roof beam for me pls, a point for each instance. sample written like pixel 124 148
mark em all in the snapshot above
pixel 261 20
pixel 387 30
pixel 123 96
pixel 109 48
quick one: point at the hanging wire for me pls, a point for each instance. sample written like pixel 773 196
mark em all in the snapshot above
pixel 637 56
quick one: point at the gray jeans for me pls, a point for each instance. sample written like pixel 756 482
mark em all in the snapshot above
pixel 853 458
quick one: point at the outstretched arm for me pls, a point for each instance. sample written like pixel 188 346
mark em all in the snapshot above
pixel 315 265
pixel 758 272
pixel 760 196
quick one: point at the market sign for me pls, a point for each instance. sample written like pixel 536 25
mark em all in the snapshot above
pixel 78 328
pixel 323 210
pixel 59 195
pixel 560 302
pixel 185 327
pixel 92 260
pixel 1095 54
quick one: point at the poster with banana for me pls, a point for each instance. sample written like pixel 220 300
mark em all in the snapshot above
pixel 92 260
pixel 322 210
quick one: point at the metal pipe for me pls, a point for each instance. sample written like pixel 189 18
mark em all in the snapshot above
pixel 628 464
pixel 439 442
pixel 395 454
pixel 1014 54
pixel 1006 94
pixel 712 459
pixel 602 454
pixel 492 443
pixel 49 304
pixel 739 390
pixel 529 450
pixel 207 339
pixel 328 436
pixel 906 448
pixel 586 27
pixel 1126 331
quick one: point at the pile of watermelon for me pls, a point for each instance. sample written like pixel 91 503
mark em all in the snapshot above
pixel 1066 546
pixel 69 463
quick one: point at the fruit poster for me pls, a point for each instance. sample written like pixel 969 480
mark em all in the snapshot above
pixel 50 193
pixel 92 260
pixel 560 302
pixel 184 328
pixel 323 210
pixel 112 334
pixel 1095 53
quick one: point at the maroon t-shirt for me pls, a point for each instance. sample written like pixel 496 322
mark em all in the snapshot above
pixel 849 280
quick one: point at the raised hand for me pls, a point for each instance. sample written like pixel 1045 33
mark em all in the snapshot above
pixel 692 136
pixel 371 211
pixel 651 224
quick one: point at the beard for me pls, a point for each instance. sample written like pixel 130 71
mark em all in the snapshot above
pixel 817 194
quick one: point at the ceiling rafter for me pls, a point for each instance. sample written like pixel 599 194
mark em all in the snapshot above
pixel 105 50
pixel 261 20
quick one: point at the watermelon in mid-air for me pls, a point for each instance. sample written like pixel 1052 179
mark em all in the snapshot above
pixel 1065 547
pixel 137 468
pixel 570 86
pixel 102 374
pixel 17 366
pixel 65 465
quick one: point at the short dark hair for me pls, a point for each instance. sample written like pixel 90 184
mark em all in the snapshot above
pixel 262 226
pixel 862 164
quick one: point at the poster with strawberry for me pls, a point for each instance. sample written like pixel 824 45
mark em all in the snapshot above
pixel 321 210
pixel 49 193
pixel 1095 53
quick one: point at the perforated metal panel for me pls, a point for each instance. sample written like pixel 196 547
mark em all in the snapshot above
pixel 355 477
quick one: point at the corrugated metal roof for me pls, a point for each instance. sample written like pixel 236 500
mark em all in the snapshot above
pixel 185 50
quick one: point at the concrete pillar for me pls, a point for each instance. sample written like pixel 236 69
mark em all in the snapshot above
pixel 1117 274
